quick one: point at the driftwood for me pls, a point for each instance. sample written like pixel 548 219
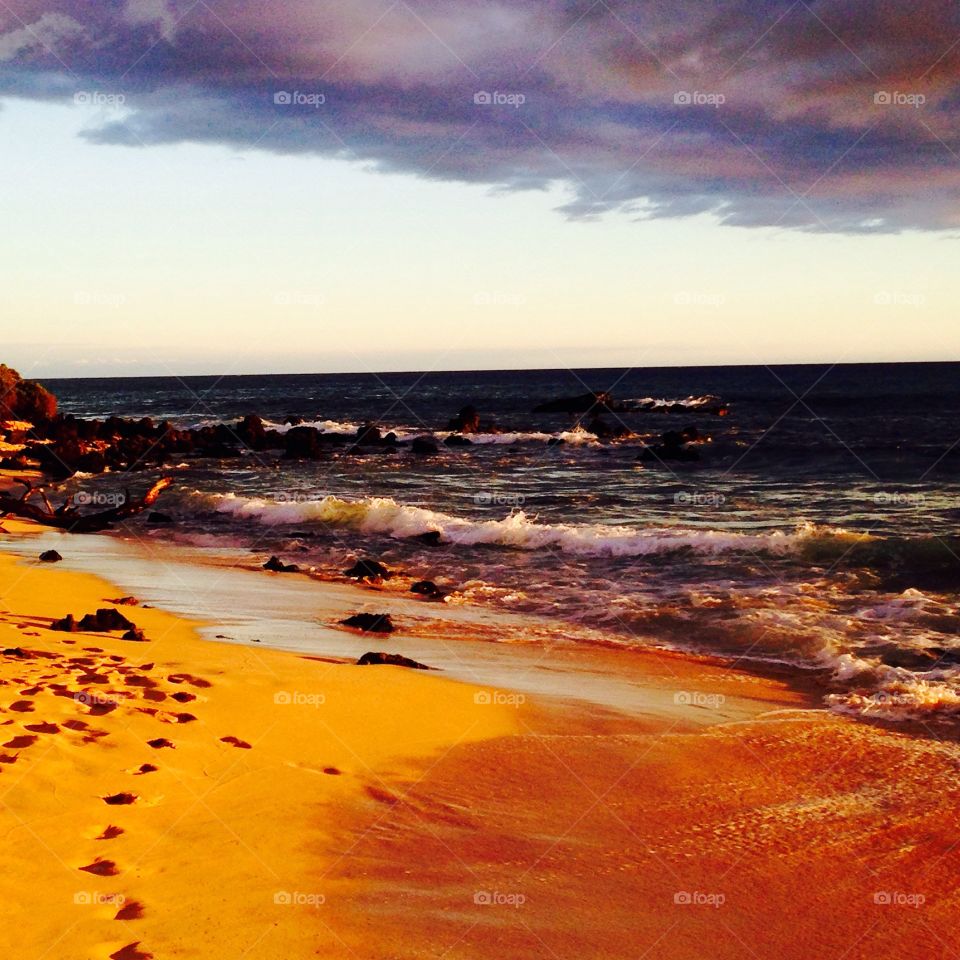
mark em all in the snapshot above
pixel 68 517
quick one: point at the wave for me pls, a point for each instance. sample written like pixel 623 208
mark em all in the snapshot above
pixel 685 403
pixel 385 516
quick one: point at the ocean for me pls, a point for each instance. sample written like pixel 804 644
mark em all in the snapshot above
pixel 817 530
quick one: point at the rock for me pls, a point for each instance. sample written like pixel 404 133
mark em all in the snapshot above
pixel 50 556
pixel 278 566
pixel 252 431
pixel 373 658
pixel 368 570
pixel 367 434
pixel 466 421
pixel 424 447
pixel 597 402
pixel 135 634
pixel 156 519
pixel 14 652
pixel 105 620
pixel 370 622
pixel 124 601
pixel 556 442
pixel 293 420
pixel 672 446
pixel 431 538
pixel 67 625
pixel 426 588
pixel 302 443
pixel 456 440
pixel 24 400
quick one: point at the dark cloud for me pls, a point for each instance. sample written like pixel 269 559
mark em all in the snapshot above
pixel 837 115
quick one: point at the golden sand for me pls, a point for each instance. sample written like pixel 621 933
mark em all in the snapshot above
pixel 304 808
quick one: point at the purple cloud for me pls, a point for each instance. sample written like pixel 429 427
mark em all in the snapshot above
pixel 833 115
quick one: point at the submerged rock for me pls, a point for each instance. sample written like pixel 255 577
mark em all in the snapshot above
pixel 426 588
pixel 370 622
pixel 276 565
pixel 373 658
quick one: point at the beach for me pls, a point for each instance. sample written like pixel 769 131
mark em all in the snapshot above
pixel 304 806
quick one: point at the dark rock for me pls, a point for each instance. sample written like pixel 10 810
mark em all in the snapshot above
pixel 373 658
pixel 456 440
pixel 277 566
pixel 556 442
pixel 156 519
pixel 426 588
pixel 466 421
pixel 367 434
pixel 431 538
pixel 672 446
pixel 370 622
pixel 368 570
pixel 293 421
pixel 252 432
pixel 105 620
pixel 67 625
pixel 24 399
pixel 424 446
pixel 50 556
pixel 14 652
pixel 302 443
pixel 135 634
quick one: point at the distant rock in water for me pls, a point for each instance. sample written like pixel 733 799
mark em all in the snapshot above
pixel 594 403
pixel 276 565
pixel 302 443
pixel 374 658
pixel 370 622
pixel 368 570
pixel 424 446
pixel 673 446
pixel 50 556
pixel 431 538
pixel 456 440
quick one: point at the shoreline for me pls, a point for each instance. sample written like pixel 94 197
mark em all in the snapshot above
pixel 460 821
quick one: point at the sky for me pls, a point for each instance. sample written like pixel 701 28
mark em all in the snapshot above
pixel 191 187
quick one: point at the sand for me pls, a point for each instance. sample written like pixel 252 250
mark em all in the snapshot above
pixel 309 808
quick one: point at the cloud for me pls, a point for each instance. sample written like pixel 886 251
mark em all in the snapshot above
pixel 829 115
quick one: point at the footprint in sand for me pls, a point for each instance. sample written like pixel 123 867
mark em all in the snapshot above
pixel 101 868
pixel 21 743
pixel 22 706
pixel 132 910
pixel 236 742
pixel 131 951
pixel 145 768
pixel 183 697
pixel 189 678
pixel 120 799
pixel 41 727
